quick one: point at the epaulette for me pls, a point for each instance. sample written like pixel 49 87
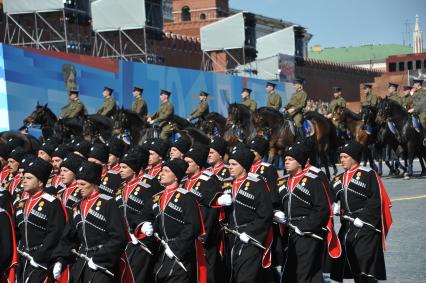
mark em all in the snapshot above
pixel 311 175
pixel 207 173
pixel 204 178
pixel 48 197
pixel 266 164
pixel 253 177
pixel 314 169
pixel 105 197
pixel 363 168
pixel 184 179
pixel 182 191
pixel 227 185
pixel 113 172
pixel 229 179
pixel 145 185
pixel 148 176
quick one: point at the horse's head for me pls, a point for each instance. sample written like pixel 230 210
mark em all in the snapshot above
pixel 368 114
pixel 384 110
pixel 339 114
pixel 38 116
pixel 120 122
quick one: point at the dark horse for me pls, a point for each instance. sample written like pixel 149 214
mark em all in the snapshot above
pixel 240 122
pixel 409 139
pixel 97 128
pixel 29 143
pixel 214 124
pixel 131 128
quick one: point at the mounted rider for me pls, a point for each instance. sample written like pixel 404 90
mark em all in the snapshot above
pixel 74 108
pixel 201 110
pixel 419 105
pixel 164 115
pixel 340 102
pixel 371 100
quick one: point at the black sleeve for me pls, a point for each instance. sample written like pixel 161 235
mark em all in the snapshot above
pixel 114 247
pixel 190 230
pixel 6 201
pixel 211 191
pixel 55 228
pixel 6 242
pixel 272 177
pixel 320 212
pixel 258 228
pixel 69 240
pixel 371 211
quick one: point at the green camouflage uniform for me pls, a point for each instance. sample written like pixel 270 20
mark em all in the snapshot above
pixel 407 101
pixel 108 107
pixel 298 101
pixel 251 104
pixel 164 118
pixel 274 101
pixel 337 102
pixel 419 97
pixel 139 106
pixel 200 111
pixel 74 108
pixel 395 97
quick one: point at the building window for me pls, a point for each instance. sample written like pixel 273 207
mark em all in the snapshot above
pixel 418 64
pixel 202 16
pixel 401 66
pixel 186 14
pixel 392 67
pixel 409 65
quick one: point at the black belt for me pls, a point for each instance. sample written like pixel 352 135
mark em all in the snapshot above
pixel 298 218
pixel 34 248
pixel 91 249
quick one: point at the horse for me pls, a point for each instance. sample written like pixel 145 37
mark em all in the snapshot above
pixel 357 130
pixel 131 128
pixel 43 116
pixel 97 128
pixel 241 122
pixel 408 138
pixel 214 124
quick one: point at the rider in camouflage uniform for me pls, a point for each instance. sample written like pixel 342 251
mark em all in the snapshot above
pixel 109 106
pixel 371 100
pixel 164 115
pixel 419 105
pixel 340 102
pixel 202 109
pixel 274 99
pixel 74 108
pixel 139 105
pixel 250 103
pixel 295 107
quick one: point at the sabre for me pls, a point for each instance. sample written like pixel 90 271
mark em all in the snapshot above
pixel 28 257
pixel 87 259
pixel 144 247
pixel 310 234
pixel 347 217
pixel 252 241
pixel 165 245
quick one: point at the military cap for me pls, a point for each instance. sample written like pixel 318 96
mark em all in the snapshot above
pixel 137 88
pixel 83 147
pixel 336 89
pixel 298 81
pixel 219 144
pixel 26 160
pixel 116 147
pixel 406 87
pixel 353 149
pixel 182 144
pixel 72 162
pixel 368 85
pixel 17 154
pixel 61 151
pixel 393 85
pixel 260 145
pixel 100 152
pixel 74 91
pixel 165 92
pixel 49 146
pixel 243 156
pixel 199 153
pixel 4 150
pixel 107 88
pixel 271 84
pixel 247 90
pixel 161 147
pixel 177 166
pixel 39 168
pixel 299 153
pixel 136 159
pixel 90 172
pixel 418 81
pixel 203 93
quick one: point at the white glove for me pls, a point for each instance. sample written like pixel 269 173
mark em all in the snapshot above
pixel 336 208
pixel 33 263
pixel 57 270
pixel 92 265
pixel 358 223
pixel 225 200
pixel 244 238
pixel 298 232
pixel 147 229
pixel 169 253
pixel 279 217
pixel 134 239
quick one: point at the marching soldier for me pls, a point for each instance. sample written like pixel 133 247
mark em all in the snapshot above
pixel 69 193
pixel 110 179
pixel 116 151
pixel 370 99
pixel 216 155
pixel 202 109
pixel 8 253
pixel 139 104
pixel 259 146
pixel 301 202
pixel 109 106
pixel 393 94
pixel 39 223
pixel 12 181
pixel 295 107
pixel 250 103
pixel 82 148
pixel 365 217
pixel 179 224
pixel 74 108
pixel 134 200
pixel 205 188
pixel 58 156
pixel 179 148
pixel 250 219
pixel 95 234
pixel 164 115
pixel 274 99
pixel 158 149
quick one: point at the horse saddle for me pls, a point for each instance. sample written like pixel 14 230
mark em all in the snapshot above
pixel 309 128
pixel 416 123
pixel 392 127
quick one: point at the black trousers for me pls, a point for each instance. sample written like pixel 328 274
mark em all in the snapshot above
pixel 141 262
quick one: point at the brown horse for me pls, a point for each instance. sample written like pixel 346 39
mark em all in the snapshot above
pixel 214 124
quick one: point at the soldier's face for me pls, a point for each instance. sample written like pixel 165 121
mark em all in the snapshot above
pixel 154 158
pixel 214 157
pixel 347 161
pixel 31 184
pixel 106 93
pixel 67 176
pixel 163 97
pixel 244 94
pixel 72 96
pixel 235 169
pixel 203 97
pixel 193 168
pixel 13 165
pixel 167 177
pixel 43 155
pixel 391 89
pixel 175 153
pixel 56 162
pixel 126 172
pixel 291 165
pixel 269 88
pixel 297 86
pixel 86 188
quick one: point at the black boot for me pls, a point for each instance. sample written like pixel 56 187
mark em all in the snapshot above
pixel 300 134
